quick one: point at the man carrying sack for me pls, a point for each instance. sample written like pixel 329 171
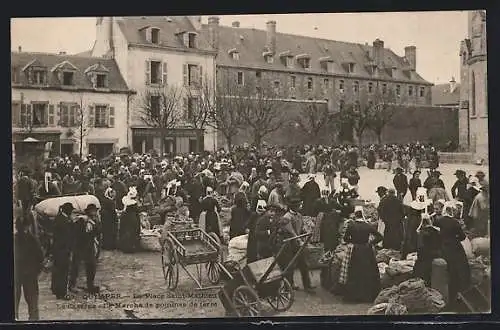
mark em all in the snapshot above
pixel 87 231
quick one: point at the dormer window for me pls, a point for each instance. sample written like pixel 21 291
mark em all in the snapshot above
pixel 68 78
pixel 155 36
pixel 39 76
pixel 98 75
pixel 269 59
pixel 191 40
pixel 289 62
pixel 326 64
pixel 101 80
pixel 350 67
pixel 235 55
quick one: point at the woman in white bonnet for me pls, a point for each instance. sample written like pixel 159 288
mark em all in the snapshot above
pixel 130 223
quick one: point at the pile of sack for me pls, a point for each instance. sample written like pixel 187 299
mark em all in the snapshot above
pixel 370 211
pixel 395 270
pixel 385 255
pixel 480 268
pixel 481 246
pixel 237 249
pixel 391 308
pixel 414 295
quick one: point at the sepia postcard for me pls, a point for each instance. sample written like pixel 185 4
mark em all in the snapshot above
pixel 170 167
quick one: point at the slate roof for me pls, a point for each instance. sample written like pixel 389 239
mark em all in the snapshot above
pixel 131 27
pixel 251 43
pixel 116 83
pixel 441 95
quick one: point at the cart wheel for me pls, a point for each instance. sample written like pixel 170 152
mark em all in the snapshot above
pixel 170 264
pixel 284 297
pixel 246 302
pixel 215 237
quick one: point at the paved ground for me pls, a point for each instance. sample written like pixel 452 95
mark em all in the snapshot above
pixel 126 280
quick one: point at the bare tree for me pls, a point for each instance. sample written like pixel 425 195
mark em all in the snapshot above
pixel 225 114
pixel 384 108
pixel 262 111
pixel 199 104
pixel 313 119
pixel 161 108
pixel 82 123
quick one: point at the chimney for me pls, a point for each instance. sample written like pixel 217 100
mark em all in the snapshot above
pixel 411 57
pixel 236 24
pixel 196 22
pixel 453 85
pixel 271 36
pixel 19 49
pixel 213 31
pixel 378 53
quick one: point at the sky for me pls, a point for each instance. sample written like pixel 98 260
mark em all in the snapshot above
pixel 436 35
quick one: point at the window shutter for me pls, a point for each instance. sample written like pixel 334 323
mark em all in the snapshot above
pixel 74 116
pixel 51 116
pixel 148 72
pixel 164 73
pixel 186 108
pixel 185 74
pixel 186 39
pixel 16 114
pixel 23 115
pixel 59 121
pixel 111 117
pixel 148 34
pixel 29 114
pixel 200 73
pixel 93 79
pixel 91 116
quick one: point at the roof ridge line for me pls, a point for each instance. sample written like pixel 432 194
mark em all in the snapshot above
pixel 62 55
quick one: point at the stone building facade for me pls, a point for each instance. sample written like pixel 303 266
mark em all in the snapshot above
pixel 303 68
pixel 68 101
pixel 473 117
pixel 156 55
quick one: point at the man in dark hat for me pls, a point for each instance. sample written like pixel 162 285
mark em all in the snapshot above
pixel 28 262
pixel 459 188
pixel 290 225
pixel 400 182
pixel 87 232
pixel 414 184
pixel 433 181
pixel 391 212
pixel 309 193
pixel 61 250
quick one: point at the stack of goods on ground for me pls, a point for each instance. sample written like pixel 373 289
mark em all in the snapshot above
pixel 480 262
pixel 392 269
pixel 150 235
pixel 413 295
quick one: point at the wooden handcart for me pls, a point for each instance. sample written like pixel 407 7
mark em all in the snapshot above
pixel 262 279
pixel 191 246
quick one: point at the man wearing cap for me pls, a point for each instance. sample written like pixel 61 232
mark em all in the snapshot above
pixel 459 188
pixel 62 244
pixel 87 231
pixel 391 211
pixel 414 184
pixel 400 182
pixel 290 225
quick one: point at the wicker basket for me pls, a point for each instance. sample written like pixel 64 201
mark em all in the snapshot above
pixel 314 252
pixel 150 240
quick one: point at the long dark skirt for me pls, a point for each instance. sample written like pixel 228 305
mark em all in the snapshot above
pixel 393 236
pixel 411 239
pixel 423 268
pixel 458 269
pixel 370 162
pixel 130 231
pixel 363 279
pixel 109 229
pixel 212 224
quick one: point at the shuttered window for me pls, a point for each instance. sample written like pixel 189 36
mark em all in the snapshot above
pixel 16 114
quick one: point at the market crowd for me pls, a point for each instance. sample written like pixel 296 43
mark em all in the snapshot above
pixel 261 189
